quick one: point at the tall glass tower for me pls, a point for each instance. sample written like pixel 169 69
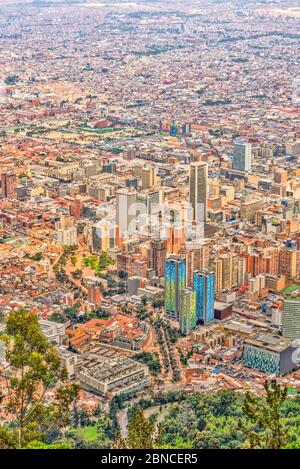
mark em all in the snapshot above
pixel 241 156
pixel 204 286
pixel 175 281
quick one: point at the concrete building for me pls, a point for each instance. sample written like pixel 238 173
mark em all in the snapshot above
pixel 158 256
pixel 104 236
pixel 66 232
pixel 94 295
pixel 241 156
pixel 126 212
pixel 271 354
pixel 8 185
pixel 69 360
pixel 55 332
pixel 226 268
pixel 199 190
pixel 117 376
pixel 291 319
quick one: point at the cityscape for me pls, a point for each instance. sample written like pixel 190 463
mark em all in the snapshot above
pixel 149 224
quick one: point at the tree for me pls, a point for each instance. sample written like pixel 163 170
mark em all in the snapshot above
pixel 141 433
pixel 33 367
pixel 73 260
pixel 266 430
pixel 144 300
pixel 11 79
pixel 35 444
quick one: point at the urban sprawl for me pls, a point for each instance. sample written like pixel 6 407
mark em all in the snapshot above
pixel 150 192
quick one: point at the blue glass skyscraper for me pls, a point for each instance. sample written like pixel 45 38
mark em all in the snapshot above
pixel 204 286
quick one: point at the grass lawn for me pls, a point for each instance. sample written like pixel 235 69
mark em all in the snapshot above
pixel 99 131
pixel 290 288
pixel 87 433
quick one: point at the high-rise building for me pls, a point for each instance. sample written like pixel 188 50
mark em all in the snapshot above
pixel 94 295
pixel 226 267
pixel 242 263
pixel 103 236
pixel 257 286
pixel 158 256
pixel 187 314
pixel 66 232
pixel 289 262
pixel 148 176
pixel 204 286
pixel 126 211
pixel 291 318
pixel 67 237
pixel 241 156
pixel 197 258
pixel 175 281
pixel 8 185
pixel 148 202
pixel 199 190
pixel 176 237
pixel 280 176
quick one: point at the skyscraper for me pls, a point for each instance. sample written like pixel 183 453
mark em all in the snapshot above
pixel 204 286
pixel 226 270
pixel 241 156
pixel 8 185
pixel 199 190
pixel 197 258
pixel 94 295
pixel 103 236
pixel 291 318
pixel 126 211
pixel 158 256
pixel 175 281
pixel 187 314
pixel 66 231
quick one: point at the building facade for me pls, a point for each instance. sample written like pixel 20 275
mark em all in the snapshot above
pixel 187 315
pixel 175 281
pixel 199 190
pixel 204 286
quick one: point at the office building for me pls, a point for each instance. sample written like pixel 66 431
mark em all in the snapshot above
pixel 67 237
pixel 175 281
pixel 222 310
pixel 94 295
pixel 204 286
pixel 197 258
pixel 126 212
pixel 104 236
pixel 115 376
pixel 241 156
pixel 226 268
pixel 291 318
pixel 187 314
pixel 289 262
pixel 148 176
pixel 158 256
pixel 53 331
pixel 66 232
pixel 271 354
pixel 199 190
pixel 8 185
